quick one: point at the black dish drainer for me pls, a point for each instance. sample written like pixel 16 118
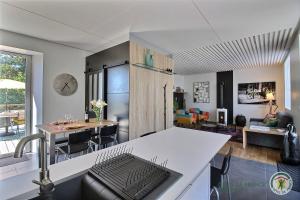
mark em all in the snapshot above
pixel 131 177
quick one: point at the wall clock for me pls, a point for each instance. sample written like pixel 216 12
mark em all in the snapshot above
pixel 65 84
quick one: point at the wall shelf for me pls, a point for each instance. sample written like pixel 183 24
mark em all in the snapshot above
pixel 152 68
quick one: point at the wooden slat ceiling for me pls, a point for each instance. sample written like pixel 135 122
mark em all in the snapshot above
pixel 256 51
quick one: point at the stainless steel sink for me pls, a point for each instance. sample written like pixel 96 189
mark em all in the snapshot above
pixel 70 188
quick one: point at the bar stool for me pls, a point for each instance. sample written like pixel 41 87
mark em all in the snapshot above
pixel 217 175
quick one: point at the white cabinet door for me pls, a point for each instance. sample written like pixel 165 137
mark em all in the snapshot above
pixel 200 188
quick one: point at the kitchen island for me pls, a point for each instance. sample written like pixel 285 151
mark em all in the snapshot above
pixel 187 151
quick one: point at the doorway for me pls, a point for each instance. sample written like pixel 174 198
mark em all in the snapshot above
pixel 15 101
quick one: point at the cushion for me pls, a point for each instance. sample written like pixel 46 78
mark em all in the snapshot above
pixel 271 122
pixel 195 110
pixel 182 112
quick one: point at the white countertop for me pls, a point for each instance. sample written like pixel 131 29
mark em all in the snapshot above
pixel 188 152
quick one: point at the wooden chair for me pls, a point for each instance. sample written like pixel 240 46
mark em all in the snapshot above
pixel 19 120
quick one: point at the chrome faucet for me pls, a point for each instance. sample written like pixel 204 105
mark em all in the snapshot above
pixel 46 185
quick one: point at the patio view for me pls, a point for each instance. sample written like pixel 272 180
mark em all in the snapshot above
pixel 12 101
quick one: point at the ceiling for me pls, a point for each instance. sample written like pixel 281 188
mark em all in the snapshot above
pixel 177 26
pixel 269 49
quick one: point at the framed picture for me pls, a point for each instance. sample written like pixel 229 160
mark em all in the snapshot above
pixel 256 93
pixel 201 92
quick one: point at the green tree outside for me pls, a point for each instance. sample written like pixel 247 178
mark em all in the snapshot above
pixel 12 67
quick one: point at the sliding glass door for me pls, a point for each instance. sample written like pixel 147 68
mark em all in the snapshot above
pixel 15 100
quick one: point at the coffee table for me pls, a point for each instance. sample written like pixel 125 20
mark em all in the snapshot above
pixel 209 127
pixel 261 130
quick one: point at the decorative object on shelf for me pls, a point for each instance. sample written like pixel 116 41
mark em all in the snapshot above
pixel 149 58
pixel 201 92
pixel 240 120
pixel 97 107
pixel 65 84
pixel 256 93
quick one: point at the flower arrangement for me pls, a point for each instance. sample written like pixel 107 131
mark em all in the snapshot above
pixel 97 107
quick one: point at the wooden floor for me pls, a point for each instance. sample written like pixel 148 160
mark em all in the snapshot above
pixel 252 152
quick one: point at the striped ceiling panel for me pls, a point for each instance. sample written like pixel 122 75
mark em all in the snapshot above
pixel 260 50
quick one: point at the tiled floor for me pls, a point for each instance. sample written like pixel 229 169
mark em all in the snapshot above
pixel 250 180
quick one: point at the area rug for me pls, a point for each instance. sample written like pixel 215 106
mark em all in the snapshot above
pixel 250 180
pixel 11 160
pixel 293 171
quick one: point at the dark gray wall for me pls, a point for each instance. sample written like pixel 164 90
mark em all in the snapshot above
pixel 112 56
pixel 115 84
pixel 227 78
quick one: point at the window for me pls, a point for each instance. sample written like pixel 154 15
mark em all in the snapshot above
pixel 287 80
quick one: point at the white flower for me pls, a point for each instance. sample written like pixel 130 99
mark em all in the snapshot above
pixel 93 102
pixel 100 104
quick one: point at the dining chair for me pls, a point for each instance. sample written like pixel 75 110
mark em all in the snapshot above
pixel 108 134
pixel 18 121
pixel 77 143
pixel 217 175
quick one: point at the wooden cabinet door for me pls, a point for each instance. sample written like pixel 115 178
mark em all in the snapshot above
pixel 163 80
pixel 142 102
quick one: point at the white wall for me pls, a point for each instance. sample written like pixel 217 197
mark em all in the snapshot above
pixel 262 74
pixel 178 81
pixel 295 81
pixel 56 59
pixel 188 87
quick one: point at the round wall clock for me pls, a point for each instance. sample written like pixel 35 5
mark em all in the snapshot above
pixel 65 84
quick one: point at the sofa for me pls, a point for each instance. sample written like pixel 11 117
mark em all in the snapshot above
pixel 279 121
pixel 193 116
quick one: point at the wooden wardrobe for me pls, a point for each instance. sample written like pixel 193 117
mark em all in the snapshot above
pixel 143 110
pixel 149 102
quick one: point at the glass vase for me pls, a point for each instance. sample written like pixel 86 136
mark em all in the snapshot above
pixel 99 115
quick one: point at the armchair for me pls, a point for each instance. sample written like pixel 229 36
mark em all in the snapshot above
pixel 185 118
pixel 201 115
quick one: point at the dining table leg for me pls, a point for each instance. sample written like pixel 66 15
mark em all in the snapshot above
pixel 99 131
pixel 51 141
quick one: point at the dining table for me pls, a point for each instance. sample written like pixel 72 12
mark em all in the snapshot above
pixel 58 128
pixel 7 116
